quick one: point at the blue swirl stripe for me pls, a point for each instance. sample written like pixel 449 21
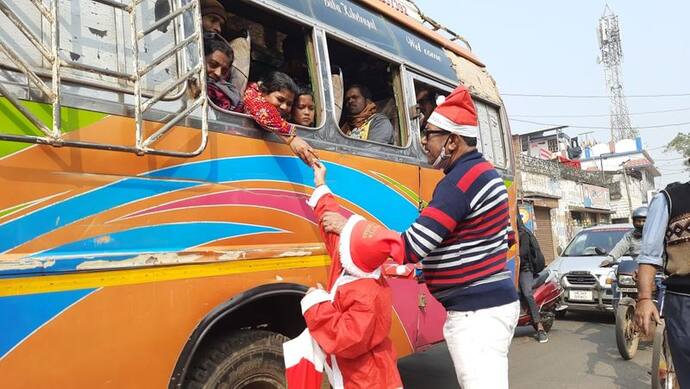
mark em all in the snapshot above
pixel 21 230
pixel 22 315
pixel 383 202
pixel 162 238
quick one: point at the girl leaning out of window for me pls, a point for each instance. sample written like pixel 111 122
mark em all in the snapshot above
pixel 269 102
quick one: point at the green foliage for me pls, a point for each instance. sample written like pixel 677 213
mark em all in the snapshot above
pixel 681 145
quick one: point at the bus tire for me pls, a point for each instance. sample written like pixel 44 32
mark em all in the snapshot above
pixel 245 358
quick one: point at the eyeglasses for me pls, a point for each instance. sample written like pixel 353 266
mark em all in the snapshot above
pixel 426 133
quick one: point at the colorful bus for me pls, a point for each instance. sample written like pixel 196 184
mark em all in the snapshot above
pixel 151 239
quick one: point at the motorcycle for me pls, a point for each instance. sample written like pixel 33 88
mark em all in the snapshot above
pixel 624 303
pixel 547 292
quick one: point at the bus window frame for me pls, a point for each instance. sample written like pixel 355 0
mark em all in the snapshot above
pixel 314 65
pixel 504 134
pixel 396 75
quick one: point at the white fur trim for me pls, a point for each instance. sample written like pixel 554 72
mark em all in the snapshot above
pixel 303 347
pixel 319 192
pixel 444 123
pixel 346 255
pixel 314 297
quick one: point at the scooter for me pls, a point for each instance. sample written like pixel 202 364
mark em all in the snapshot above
pixel 547 292
pixel 624 290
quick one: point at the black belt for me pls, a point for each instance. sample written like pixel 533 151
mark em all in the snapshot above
pixel 678 284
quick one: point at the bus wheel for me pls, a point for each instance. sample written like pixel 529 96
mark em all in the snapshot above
pixel 249 359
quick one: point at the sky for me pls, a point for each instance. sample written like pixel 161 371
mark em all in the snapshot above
pixel 551 47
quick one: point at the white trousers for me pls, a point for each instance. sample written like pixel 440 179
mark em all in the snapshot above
pixel 478 342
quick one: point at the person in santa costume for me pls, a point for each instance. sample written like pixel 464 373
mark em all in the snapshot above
pixel 351 319
pixel 461 239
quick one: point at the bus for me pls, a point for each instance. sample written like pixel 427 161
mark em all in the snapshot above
pixel 149 238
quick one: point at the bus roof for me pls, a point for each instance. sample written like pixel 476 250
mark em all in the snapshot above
pixel 417 27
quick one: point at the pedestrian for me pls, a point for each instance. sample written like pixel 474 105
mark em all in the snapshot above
pixel 668 230
pixel 351 320
pixel 632 240
pixel 462 238
pixel 531 263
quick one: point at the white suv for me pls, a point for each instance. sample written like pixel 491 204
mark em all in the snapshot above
pixel 587 287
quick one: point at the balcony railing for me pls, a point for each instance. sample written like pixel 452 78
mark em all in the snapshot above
pixel 557 170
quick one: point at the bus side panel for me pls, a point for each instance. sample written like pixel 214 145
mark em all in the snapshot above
pixel 73 218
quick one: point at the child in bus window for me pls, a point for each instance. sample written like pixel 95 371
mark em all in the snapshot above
pixel 218 57
pixel 269 103
pixel 303 110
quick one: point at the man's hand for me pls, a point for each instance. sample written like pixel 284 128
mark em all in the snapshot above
pixel 607 262
pixel 319 173
pixel 333 222
pixel 302 149
pixel 645 312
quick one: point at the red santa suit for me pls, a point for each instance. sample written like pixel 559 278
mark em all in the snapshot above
pixel 351 321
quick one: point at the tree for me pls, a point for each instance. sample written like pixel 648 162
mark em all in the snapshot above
pixel 681 145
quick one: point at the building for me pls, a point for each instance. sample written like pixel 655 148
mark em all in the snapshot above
pixel 631 170
pixel 557 198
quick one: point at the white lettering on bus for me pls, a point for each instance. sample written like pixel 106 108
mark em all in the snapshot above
pixel 350 13
pixel 417 45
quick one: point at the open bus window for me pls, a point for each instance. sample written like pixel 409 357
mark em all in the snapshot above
pixel 277 44
pixel 491 140
pixel 371 86
pixel 427 98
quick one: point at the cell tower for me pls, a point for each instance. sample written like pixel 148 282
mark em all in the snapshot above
pixel 612 57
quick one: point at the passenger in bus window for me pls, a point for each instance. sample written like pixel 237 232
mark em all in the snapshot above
pixel 426 104
pixel 213 16
pixel 361 120
pixel 269 102
pixel 303 110
pixel 219 57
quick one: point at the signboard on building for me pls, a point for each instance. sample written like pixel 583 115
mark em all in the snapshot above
pixel 595 197
pixel 527 215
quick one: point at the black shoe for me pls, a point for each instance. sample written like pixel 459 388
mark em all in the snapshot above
pixel 542 337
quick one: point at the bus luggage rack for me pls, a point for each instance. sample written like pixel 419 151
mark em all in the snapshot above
pixel 51 91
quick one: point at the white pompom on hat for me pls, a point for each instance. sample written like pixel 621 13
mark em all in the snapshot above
pixel 457 114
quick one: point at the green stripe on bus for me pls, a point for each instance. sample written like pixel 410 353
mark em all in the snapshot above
pixel 13 122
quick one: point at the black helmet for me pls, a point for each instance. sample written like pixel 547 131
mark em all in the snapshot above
pixel 640 213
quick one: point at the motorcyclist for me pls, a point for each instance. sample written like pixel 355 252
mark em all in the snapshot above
pixel 631 242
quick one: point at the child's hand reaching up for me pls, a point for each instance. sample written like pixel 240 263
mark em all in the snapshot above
pixel 319 173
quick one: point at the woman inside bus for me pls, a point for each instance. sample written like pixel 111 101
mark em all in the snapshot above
pixel 303 111
pixel 269 102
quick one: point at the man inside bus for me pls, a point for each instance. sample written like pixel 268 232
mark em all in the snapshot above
pixel 213 16
pixel 219 56
pixel 362 121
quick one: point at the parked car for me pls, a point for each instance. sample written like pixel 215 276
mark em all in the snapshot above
pixel 587 287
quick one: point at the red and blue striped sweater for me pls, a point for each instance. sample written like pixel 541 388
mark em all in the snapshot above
pixel 462 237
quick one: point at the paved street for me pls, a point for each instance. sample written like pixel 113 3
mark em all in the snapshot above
pixel 581 353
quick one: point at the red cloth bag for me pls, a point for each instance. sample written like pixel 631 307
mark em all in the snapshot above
pixel 304 362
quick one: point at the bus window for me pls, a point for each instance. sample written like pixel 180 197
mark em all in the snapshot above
pixel 370 98
pixel 277 44
pixel 491 141
pixel 427 98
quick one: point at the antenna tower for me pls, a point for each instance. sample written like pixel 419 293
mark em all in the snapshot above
pixel 612 57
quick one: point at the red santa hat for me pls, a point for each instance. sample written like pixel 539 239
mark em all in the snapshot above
pixel 457 114
pixel 365 246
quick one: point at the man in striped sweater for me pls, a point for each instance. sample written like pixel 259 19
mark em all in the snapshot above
pixel 462 239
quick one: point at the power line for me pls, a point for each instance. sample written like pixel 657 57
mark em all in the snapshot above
pixel 591 96
pixel 597 127
pixel 600 115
